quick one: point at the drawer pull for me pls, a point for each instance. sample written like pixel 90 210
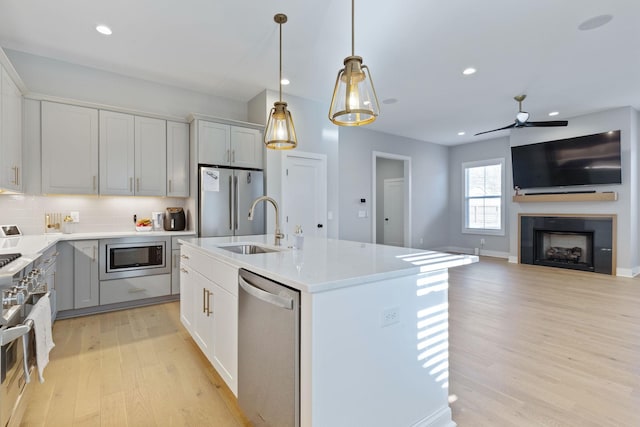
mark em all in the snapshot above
pixel 136 290
pixel 184 256
pixel 184 270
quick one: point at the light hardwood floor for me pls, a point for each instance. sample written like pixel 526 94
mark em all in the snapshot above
pixel 529 346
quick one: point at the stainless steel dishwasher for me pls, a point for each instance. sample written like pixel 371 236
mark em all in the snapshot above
pixel 268 351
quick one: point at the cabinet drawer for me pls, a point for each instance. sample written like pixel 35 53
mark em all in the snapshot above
pixel 121 290
pixel 195 259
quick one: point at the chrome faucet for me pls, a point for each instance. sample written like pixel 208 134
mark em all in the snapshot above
pixel 279 235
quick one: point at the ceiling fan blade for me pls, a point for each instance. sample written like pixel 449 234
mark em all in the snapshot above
pixel 512 125
pixel 549 123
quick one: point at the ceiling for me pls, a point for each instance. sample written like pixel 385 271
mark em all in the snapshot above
pixel 416 51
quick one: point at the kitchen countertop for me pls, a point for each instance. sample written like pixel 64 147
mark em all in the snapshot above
pixel 325 264
pixel 32 246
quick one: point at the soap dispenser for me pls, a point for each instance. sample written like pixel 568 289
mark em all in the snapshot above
pixel 298 237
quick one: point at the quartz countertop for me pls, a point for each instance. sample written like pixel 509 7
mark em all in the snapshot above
pixel 32 246
pixel 326 264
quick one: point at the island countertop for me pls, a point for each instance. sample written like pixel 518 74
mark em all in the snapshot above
pixel 326 264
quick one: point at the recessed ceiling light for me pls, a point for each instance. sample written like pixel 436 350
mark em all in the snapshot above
pixel 461 133
pixel 285 82
pixel 389 101
pixel 595 22
pixel 469 71
pixel 554 113
pixel 103 29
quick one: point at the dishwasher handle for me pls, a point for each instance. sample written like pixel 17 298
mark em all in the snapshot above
pixel 268 297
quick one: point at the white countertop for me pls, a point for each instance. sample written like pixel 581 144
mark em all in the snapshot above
pixel 325 264
pixel 32 246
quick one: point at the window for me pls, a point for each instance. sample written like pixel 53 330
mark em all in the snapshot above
pixel 483 197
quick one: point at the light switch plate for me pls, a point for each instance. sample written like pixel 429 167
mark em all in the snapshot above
pixel 75 216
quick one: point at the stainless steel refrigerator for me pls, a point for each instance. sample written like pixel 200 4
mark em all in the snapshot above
pixel 225 198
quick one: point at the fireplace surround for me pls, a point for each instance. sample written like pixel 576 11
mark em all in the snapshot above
pixel 576 242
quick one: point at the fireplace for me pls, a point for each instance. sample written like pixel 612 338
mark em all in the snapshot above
pixel 578 243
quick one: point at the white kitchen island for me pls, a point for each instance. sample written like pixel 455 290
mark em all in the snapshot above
pixel 374 326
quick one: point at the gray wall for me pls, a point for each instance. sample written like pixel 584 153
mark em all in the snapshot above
pixel 428 177
pixel 316 134
pixel 65 80
pixel 482 150
pixel 626 207
pixel 385 169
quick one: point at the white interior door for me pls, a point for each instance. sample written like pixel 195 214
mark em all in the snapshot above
pixel 394 211
pixel 304 193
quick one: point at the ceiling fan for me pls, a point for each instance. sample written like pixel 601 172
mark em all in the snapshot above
pixel 522 119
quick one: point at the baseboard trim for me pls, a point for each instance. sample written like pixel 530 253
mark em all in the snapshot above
pixel 441 418
pixel 471 251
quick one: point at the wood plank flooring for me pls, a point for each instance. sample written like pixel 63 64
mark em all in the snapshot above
pixel 539 346
pixel 529 346
pixel 136 367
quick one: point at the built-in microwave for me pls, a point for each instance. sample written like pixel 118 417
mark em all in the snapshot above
pixel 134 257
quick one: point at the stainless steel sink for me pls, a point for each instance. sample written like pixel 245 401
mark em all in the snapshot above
pixel 248 249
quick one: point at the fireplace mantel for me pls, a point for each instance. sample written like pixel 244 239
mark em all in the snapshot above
pixel 609 196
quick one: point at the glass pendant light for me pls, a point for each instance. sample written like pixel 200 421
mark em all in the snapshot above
pixel 354 101
pixel 280 133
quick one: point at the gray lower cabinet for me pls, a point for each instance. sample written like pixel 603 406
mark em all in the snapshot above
pixel 86 290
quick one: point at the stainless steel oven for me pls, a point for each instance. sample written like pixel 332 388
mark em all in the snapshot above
pixel 134 257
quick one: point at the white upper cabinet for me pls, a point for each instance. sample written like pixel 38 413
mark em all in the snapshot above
pixel 226 145
pixel 150 156
pixel 177 159
pixel 133 158
pixel 10 134
pixel 69 149
pixel 116 153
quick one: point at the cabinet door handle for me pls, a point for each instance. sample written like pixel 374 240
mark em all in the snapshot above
pixel 233 156
pixel 170 186
pixel 228 159
pixel 175 261
pixel 137 185
pixel 209 312
pixel 184 270
pixel 130 185
pixel 15 175
pixel 204 300
pixel 184 256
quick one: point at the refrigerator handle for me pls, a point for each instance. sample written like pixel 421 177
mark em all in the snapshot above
pixel 235 181
pixel 230 205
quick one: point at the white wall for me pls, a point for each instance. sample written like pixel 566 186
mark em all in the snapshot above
pixel 482 150
pixel 429 185
pixel 626 207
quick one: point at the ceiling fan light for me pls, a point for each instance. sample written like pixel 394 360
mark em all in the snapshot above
pixel 522 117
pixel 280 133
pixel 354 101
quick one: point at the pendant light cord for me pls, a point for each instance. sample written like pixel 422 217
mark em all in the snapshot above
pixel 353 31
pixel 280 62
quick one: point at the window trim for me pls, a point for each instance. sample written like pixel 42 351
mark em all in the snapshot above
pixel 484 231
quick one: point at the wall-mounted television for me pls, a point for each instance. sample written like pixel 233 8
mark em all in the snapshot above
pixel 583 160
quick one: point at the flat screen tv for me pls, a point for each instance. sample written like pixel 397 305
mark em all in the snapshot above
pixel 583 160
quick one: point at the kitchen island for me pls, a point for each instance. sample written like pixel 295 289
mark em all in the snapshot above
pixel 373 330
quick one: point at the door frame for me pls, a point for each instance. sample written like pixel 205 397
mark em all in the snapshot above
pixel 283 183
pixel 407 194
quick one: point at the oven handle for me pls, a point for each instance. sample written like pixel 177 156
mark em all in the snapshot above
pixel 11 334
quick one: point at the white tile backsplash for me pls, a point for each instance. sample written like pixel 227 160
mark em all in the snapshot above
pixel 97 213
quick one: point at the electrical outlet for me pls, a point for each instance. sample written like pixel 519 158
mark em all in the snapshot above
pixel 482 243
pixel 390 316
pixel 75 216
